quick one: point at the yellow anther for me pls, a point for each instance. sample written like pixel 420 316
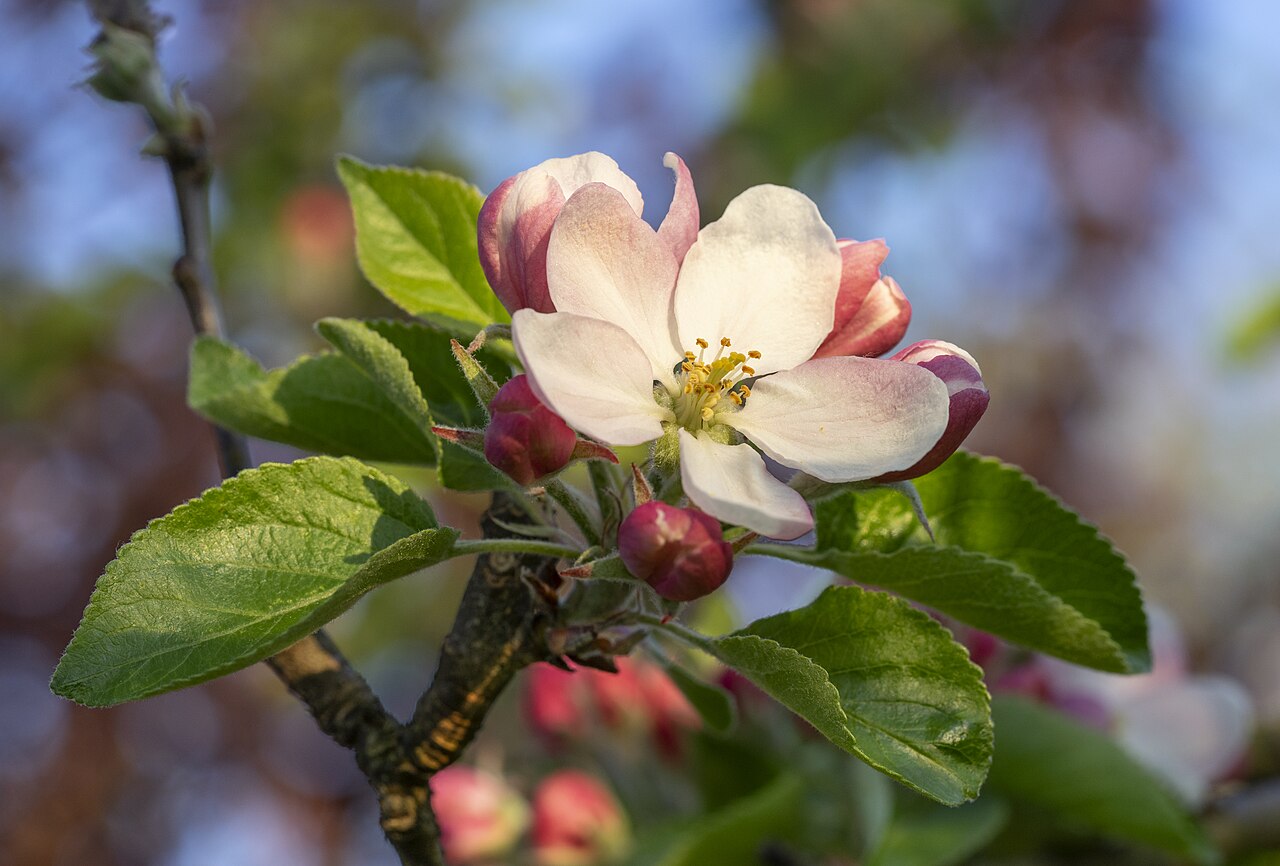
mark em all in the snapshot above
pixel 748 371
pixel 690 355
pixel 746 391
pixel 724 341
pixel 702 344
pixel 707 414
pixel 736 397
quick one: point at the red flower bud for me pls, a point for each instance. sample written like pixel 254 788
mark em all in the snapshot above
pixel 525 439
pixel 680 552
pixel 577 822
pixel 481 818
pixel 969 399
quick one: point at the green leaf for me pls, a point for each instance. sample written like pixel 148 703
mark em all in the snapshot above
pixel 716 707
pixel 416 242
pixel 361 402
pixel 940 837
pixel 429 354
pixel 985 593
pixel 1041 576
pixel 382 362
pixel 879 679
pixel 727 769
pixel 241 573
pixel 380 349
pixel 1056 764
pixel 320 403
pixel 736 833
pixel 396 355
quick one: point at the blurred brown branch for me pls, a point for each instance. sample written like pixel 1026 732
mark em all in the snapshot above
pixel 500 599
pixel 314 669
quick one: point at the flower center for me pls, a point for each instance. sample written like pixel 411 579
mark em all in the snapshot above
pixel 709 387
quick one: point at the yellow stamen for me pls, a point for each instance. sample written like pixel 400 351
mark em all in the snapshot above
pixel 754 355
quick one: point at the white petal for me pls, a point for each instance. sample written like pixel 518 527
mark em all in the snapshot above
pixel 575 172
pixel 1191 732
pixel 606 263
pixel 731 483
pixel 846 418
pixel 765 275
pixel 591 374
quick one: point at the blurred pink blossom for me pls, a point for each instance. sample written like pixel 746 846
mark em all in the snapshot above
pixel 481 817
pixel 577 822
pixel 1191 730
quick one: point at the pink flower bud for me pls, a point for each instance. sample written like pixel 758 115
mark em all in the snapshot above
pixel 515 222
pixel 481 817
pixel 872 313
pixel 670 712
pixel 969 399
pixel 680 552
pixel 525 439
pixel 555 704
pixel 577 822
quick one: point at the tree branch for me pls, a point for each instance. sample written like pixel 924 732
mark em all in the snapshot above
pixel 313 669
pixel 508 593
pixel 500 599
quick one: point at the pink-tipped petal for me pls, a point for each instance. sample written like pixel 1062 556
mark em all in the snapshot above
pixel 731 482
pixel 590 373
pixel 845 419
pixel 513 231
pixel 515 223
pixel 878 325
pixel 872 313
pixel 860 263
pixel 679 227
pixel 967 397
pixel 575 172
pixel 765 275
pixel 606 263
pixel 491 242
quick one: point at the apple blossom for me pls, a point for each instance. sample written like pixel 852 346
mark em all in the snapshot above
pixel 714 355
pixel 515 222
pixel 481 818
pixel 524 438
pixel 577 822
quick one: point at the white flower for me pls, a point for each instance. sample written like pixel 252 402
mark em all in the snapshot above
pixel 718 351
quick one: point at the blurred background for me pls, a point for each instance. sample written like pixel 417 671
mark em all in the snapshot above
pixel 1083 194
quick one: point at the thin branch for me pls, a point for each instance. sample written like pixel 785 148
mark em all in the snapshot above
pixel 313 669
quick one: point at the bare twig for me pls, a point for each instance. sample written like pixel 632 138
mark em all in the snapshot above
pixel 314 669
